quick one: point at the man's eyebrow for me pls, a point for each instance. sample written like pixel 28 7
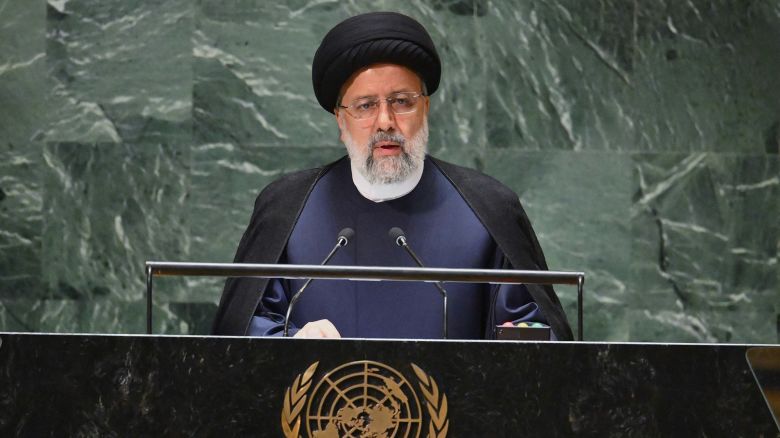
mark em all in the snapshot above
pixel 367 96
pixel 375 96
pixel 402 90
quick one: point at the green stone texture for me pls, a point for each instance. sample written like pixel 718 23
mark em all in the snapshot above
pixel 641 137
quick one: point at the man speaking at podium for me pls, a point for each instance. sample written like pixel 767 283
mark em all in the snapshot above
pixel 375 73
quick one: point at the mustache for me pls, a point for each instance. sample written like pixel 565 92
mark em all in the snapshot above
pixel 386 136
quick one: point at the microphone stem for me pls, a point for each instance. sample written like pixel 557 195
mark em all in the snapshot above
pixel 437 284
pixel 411 253
pixel 341 242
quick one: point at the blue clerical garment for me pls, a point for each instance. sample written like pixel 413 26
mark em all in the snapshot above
pixel 439 225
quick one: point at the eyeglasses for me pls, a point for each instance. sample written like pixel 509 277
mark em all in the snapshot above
pixel 368 107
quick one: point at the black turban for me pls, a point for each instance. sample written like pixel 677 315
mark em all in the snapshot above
pixel 367 39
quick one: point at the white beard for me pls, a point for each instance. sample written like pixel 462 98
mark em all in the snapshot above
pixel 388 169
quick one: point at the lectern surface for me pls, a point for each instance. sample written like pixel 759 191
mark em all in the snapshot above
pixel 85 385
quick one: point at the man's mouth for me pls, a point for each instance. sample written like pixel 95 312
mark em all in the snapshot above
pixel 387 148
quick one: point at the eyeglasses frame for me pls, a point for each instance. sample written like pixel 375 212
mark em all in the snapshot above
pixel 387 100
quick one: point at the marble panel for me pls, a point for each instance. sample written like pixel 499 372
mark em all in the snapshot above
pixel 20 219
pixel 171 317
pixel 473 158
pixel 98 98
pixel 23 108
pixel 108 209
pixel 457 114
pixel 99 315
pixel 121 70
pixel 190 318
pixel 104 315
pixel 578 204
pixel 641 76
pixel 12 320
pixel 704 250
pixel 253 72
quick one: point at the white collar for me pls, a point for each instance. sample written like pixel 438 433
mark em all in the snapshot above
pixel 385 192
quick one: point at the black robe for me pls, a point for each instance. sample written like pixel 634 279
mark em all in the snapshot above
pixel 278 206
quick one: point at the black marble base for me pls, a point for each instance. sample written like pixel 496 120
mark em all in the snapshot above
pixel 68 385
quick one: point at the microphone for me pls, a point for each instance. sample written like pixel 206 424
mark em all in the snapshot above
pixel 341 241
pixel 399 238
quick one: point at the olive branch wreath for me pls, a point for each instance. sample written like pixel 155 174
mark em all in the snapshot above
pixel 295 399
pixel 437 407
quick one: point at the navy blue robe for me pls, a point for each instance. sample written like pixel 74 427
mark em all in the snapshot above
pixel 439 225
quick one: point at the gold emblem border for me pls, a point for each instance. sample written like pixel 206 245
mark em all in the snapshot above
pixel 296 395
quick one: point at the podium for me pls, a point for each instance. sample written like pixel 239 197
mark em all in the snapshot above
pixel 74 385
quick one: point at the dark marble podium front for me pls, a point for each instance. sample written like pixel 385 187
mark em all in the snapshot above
pixel 112 385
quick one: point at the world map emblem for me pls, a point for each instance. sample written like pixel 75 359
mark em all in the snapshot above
pixel 364 399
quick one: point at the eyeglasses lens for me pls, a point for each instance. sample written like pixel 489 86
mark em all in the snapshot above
pixel 400 103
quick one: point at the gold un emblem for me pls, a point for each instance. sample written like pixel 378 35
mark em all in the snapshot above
pixel 364 399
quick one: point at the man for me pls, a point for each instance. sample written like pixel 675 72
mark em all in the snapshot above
pixel 374 72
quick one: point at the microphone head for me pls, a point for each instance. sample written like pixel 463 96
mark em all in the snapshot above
pixel 346 234
pixel 397 235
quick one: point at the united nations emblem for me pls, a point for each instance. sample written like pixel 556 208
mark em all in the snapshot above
pixel 363 399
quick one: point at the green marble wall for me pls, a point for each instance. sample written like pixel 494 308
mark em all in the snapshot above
pixel 642 138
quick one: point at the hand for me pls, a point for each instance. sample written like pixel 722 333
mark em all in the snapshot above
pixel 318 329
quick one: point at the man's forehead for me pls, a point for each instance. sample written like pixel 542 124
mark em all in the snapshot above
pixel 381 79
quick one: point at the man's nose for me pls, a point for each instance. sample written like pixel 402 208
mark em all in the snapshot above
pixel 385 118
